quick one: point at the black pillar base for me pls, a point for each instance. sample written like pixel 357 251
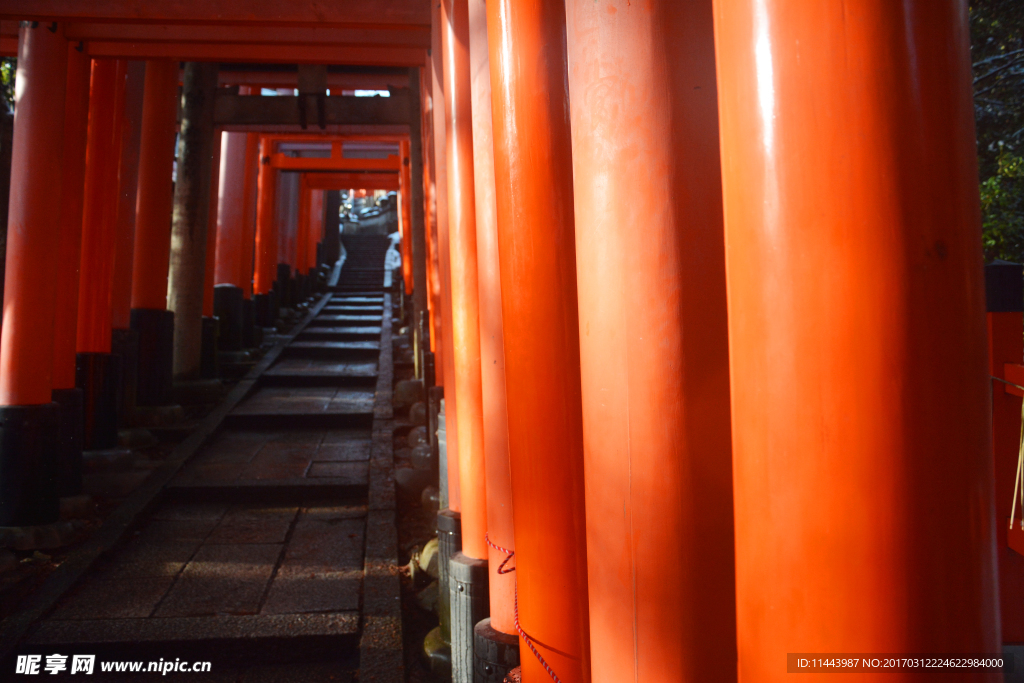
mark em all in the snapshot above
pixel 98 375
pixel 275 306
pixel 292 287
pixel 264 312
pixel 249 324
pixel 28 465
pixel 208 368
pixel 156 356
pixel 467 586
pixel 70 434
pixel 429 369
pixel 284 277
pixel 449 542
pixel 494 653
pixel 125 343
pixel 228 305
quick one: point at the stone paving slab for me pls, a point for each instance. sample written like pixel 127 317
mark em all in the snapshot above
pixel 222 579
pixel 196 628
pixel 337 350
pixel 242 560
pixel 306 401
pixel 340 333
pixel 322 567
pixel 344 320
pixel 357 298
pixel 287 459
pixel 324 366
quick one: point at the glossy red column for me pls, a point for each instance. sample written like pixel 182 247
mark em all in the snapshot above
pixel 33 219
pixel 69 254
pixel 156 189
pixel 430 218
pixel 534 193
pixel 405 215
pixel 127 190
pixel 444 272
pixel 106 118
pixel 231 210
pixel 653 340
pixel 246 262
pixel 266 221
pixel 492 354
pixel 465 291
pixel 862 461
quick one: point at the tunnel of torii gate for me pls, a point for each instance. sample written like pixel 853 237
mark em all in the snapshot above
pixel 698 282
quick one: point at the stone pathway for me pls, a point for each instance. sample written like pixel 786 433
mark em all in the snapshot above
pixel 272 553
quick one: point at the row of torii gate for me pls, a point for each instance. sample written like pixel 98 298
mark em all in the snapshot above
pixel 702 278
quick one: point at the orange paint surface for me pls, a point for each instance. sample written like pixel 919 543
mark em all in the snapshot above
pixel 536 247
pixel 860 398
pixel 155 193
pixel 33 219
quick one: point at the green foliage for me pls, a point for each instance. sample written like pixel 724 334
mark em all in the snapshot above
pixel 997 51
pixel 8 68
pixel 1002 206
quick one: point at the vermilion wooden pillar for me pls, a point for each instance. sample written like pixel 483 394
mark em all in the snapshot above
pixel 454 502
pixel 76 125
pixel 69 253
pixel 405 215
pixel 430 214
pixel 266 221
pixel 106 119
pixel 127 189
pixel 860 407
pixel 151 256
pixel 465 292
pixel 245 262
pixel 124 341
pixel 492 354
pixel 653 341
pixel 231 211
pixel 534 193
pixel 98 371
pixel 28 430
pixel 156 188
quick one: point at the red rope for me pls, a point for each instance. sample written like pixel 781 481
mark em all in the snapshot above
pixel 515 606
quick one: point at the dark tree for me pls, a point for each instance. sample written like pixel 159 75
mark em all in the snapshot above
pixel 997 52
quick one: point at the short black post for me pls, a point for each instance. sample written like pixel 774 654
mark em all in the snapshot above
pixel 98 375
pixel 249 324
pixel 28 465
pixel 449 542
pixel 125 343
pixel 70 434
pixel 228 309
pixel 429 371
pixel 156 354
pixel 208 366
pixel 262 310
pixel 467 586
pixel 494 653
